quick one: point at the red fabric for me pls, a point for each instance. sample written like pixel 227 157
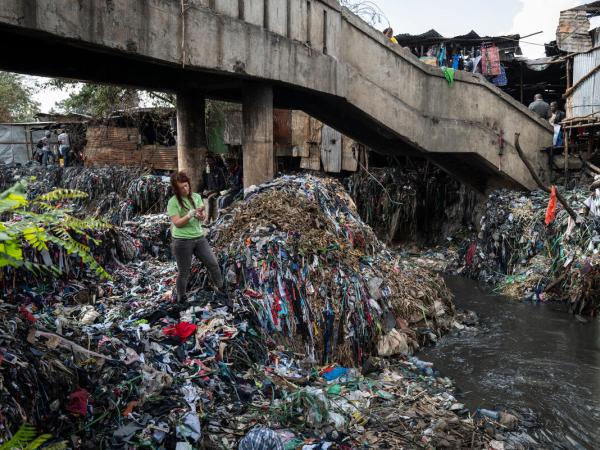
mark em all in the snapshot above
pixel 326 369
pixel 182 330
pixel 471 253
pixel 78 402
pixel 551 210
pixel 27 315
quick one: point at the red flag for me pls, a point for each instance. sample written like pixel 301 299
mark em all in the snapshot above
pixel 551 210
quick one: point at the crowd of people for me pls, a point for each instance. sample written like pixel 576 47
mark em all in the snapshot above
pixel 45 151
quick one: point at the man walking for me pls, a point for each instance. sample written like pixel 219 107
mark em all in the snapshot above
pixel 64 146
pixel 540 107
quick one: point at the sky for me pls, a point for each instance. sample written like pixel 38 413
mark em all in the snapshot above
pixel 452 19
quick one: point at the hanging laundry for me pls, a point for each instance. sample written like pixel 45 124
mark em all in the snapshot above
pixel 448 74
pixel 455 61
pixel 490 60
pixel 501 80
pixel 476 65
pixel 442 56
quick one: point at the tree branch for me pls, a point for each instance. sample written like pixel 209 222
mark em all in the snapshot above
pixel 538 181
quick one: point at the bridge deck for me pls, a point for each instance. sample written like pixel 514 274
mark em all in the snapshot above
pixel 317 56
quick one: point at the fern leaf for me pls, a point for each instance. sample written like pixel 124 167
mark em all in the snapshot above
pixel 60 194
pixel 38 442
pixel 36 237
pixel 87 224
pixel 62 445
pixel 74 247
pixel 23 437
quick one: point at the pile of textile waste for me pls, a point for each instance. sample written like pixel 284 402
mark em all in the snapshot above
pixel 415 204
pixel 525 257
pixel 297 253
pixel 116 193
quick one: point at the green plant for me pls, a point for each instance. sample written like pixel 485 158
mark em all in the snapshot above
pixel 43 221
pixel 16 98
pixel 26 438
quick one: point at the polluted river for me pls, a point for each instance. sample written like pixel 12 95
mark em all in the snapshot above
pixel 526 356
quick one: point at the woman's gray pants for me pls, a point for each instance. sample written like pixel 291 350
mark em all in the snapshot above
pixel 183 249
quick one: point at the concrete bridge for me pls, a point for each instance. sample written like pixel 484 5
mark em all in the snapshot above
pixel 298 54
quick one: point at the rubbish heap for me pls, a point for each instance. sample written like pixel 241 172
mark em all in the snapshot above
pixel 314 296
pixel 298 254
pixel 412 204
pixel 116 193
pixel 524 258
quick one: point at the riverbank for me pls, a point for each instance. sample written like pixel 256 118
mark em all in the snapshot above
pixel 510 240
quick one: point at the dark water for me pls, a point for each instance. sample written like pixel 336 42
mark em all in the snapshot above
pixel 526 355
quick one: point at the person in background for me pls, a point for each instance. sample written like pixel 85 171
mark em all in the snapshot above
pixel 46 148
pixel 64 146
pixel 592 203
pixel 556 115
pixel 186 211
pixel 540 107
pixel 234 182
pixel 235 174
pixel 214 178
pixel 389 33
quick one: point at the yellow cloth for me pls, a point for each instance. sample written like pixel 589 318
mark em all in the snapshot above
pixel 393 40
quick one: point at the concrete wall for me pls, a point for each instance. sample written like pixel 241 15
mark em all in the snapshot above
pixel 309 46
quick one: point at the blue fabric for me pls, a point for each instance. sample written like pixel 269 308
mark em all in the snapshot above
pixel 442 56
pixel 335 373
pixel 455 62
pixel 500 80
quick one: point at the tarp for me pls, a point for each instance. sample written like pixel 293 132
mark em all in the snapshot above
pixel 13 144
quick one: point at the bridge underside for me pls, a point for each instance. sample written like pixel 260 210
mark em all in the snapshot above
pixel 44 54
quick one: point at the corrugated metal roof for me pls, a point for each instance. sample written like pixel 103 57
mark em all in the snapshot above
pixel 585 99
pixel 592 8
pixel 573 34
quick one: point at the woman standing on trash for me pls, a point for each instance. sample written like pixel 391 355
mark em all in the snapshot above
pixel 186 211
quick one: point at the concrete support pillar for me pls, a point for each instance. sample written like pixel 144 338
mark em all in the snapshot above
pixel 191 135
pixel 257 134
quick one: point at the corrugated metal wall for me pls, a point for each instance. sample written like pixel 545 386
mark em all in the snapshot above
pixel 585 100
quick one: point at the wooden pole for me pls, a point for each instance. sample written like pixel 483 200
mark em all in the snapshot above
pixel 521 87
pixel 538 181
pixel 593 167
pixel 566 156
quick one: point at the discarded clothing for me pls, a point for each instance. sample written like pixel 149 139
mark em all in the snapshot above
pixel 261 438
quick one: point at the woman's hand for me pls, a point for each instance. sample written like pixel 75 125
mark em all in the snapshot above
pixel 183 221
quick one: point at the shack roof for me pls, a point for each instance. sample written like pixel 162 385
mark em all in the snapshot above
pixel 592 9
pixel 432 37
pixel 58 117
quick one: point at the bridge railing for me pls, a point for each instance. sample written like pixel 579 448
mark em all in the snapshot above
pixel 315 22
